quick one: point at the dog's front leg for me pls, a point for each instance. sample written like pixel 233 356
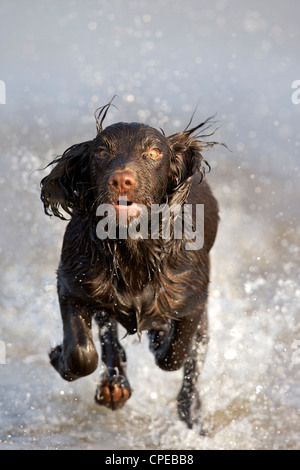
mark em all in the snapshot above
pixel 188 400
pixel 113 389
pixel 172 347
pixel 184 345
pixel 77 356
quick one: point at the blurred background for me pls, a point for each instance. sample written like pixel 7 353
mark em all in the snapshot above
pixel 162 58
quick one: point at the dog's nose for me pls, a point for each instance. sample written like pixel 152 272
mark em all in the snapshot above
pixel 122 181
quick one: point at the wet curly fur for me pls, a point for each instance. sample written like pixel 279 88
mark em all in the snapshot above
pixel 144 284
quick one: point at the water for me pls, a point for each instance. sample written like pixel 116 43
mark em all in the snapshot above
pixel 59 63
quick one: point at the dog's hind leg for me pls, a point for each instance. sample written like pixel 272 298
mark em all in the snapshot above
pixel 113 389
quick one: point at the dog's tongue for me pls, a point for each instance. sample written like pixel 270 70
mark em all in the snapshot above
pixel 124 205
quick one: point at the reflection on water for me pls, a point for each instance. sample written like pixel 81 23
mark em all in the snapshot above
pixel 250 382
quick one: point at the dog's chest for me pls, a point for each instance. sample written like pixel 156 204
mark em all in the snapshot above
pixel 139 301
pixel 142 304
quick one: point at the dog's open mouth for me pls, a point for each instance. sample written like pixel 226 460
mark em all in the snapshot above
pixel 126 207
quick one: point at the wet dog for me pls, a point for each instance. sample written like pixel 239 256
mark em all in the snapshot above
pixel 147 282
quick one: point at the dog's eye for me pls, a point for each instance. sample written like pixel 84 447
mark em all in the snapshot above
pixel 102 152
pixel 154 154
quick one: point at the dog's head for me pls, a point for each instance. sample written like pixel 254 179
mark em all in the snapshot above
pixel 129 162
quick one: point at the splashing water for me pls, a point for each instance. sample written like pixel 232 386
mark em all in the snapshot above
pixel 238 62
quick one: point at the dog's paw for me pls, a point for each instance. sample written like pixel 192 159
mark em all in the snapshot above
pixel 57 361
pixel 113 391
pixel 188 407
pixel 55 355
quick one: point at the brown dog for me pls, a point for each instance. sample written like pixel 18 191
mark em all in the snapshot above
pixel 144 283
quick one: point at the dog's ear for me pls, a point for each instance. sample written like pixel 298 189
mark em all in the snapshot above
pixel 66 185
pixel 186 158
pixel 186 161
